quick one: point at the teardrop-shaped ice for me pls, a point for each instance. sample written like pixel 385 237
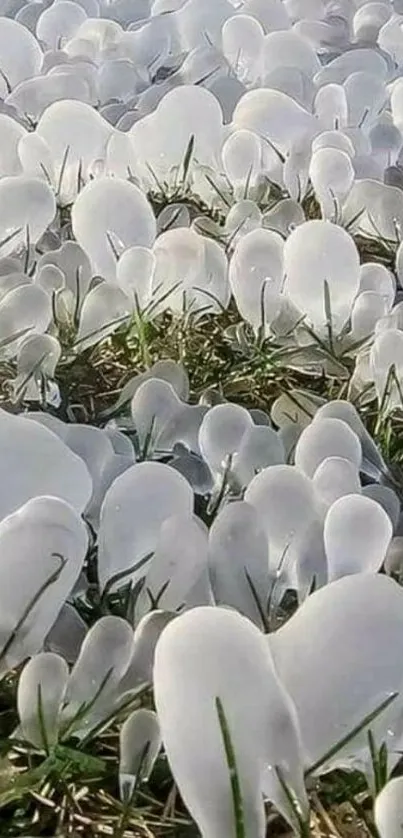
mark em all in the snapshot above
pixel 24 311
pixel 387 499
pixel 191 111
pixel 368 20
pixel 221 434
pixel 345 637
pixel 317 253
pixel 190 272
pixel 387 355
pixel 287 48
pixel 366 96
pixel 357 535
pixel 242 218
pixel 376 277
pixel 139 745
pixel 214 666
pixel 146 636
pixel 239 561
pixel 286 503
pixel 374 208
pixel 33 96
pixel 75 265
pixel 167 370
pixel 102 662
pixel 194 19
pixel 40 464
pixel 344 410
pixel 58 23
pixel 256 276
pixel 351 61
pixel 77 136
pixel 388 809
pixel 96 450
pixel 284 216
pixel 108 216
pixel 41 689
pixel 118 79
pixel 326 438
pixel 275 117
pixel 26 204
pixel 261 447
pixel 242 45
pixel 11 132
pixel 153 405
pixel 36 159
pixel 134 274
pixel 21 55
pixel 43 547
pixel 331 106
pixel 368 308
pixel 272 14
pixel 177 579
pixel 104 310
pixel 135 506
pixel 335 477
pixel 332 176
pixel 36 364
pixel 28 15
pixel 241 157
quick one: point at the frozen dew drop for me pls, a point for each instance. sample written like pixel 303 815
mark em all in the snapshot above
pixel 345 411
pixel 25 204
pixel 145 639
pixel 139 746
pixel 51 534
pixel 102 662
pixel 239 561
pixel 21 55
pixel 212 664
pixel 335 477
pixel 221 434
pixel 317 253
pixel 58 23
pixel 77 136
pixel 153 405
pixel 388 809
pixel 105 309
pixel 41 464
pixel 135 506
pixel 134 274
pixel 286 503
pixel 109 216
pixel 242 44
pixel 177 580
pixel 332 176
pixel 357 535
pixel 256 275
pixel 387 499
pixel 347 635
pixel 326 438
pixel 41 689
pixel 24 311
pixel 368 308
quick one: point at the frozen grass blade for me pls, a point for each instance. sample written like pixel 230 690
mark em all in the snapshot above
pixel 239 820
pixel 352 734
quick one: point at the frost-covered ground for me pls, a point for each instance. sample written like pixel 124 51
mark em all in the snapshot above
pixel 201 369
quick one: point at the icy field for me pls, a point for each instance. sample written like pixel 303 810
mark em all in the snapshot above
pixel 201 420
